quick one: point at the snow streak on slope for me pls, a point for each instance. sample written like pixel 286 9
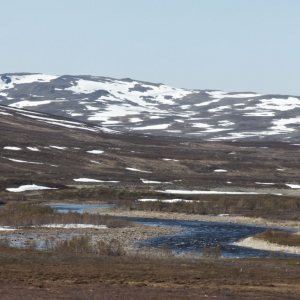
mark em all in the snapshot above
pixel 54 120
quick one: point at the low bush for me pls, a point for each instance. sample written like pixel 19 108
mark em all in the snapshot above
pixel 248 205
pixel 280 237
pixel 18 214
pixel 101 193
pixel 4 243
pixel 84 245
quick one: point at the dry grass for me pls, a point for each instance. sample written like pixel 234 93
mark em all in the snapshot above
pixel 74 276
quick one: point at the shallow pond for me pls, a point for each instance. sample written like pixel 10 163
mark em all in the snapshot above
pixel 80 208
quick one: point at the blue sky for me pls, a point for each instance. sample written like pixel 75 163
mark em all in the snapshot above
pixel 232 45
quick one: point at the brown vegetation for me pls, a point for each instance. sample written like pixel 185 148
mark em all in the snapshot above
pixel 280 237
pixel 83 245
pixel 99 193
pixel 195 160
pixel 247 205
pixel 28 274
pixel 20 214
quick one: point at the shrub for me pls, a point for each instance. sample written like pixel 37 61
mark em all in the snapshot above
pixel 84 245
pixel 280 237
pixel 4 243
pixel 27 214
pixel 249 205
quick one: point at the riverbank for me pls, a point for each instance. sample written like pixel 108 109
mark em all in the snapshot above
pixel 127 236
pixel 249 242
pixel 254 243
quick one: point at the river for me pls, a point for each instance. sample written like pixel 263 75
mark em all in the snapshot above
pixel 192 235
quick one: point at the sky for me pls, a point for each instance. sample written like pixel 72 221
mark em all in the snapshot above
pixel 232 45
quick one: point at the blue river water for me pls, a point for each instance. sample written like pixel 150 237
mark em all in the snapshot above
pixel 80 208
pixel 195 235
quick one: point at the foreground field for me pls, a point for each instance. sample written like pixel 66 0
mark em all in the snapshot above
pixel 36 275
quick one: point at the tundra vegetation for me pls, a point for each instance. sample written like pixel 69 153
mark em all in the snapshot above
pixel 73 271
pixel 16 214
pixel 271 206
pixel 260 205
pixel 280 237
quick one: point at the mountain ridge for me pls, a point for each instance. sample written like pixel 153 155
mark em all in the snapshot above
pixel 129 105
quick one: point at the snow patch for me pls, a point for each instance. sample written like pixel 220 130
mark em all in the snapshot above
pixel 92 180
pixel 95 151
pixel 15 80
pixel 95 162
pixel 33 149
pixel 154 182
pixel 23 161
pixel 5 113
pixel 168 159
pixel 12 148
pixel 32 187
pixel 74 226
pixel 27 103
pixel 135 120
pixel 137 170
pixel 152 127
pixel 59 147
pixel 293 186
pixel 7 228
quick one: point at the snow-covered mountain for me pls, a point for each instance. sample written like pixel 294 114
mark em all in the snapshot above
pixel 141 107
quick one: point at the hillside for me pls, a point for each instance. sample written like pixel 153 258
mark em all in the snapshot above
pixel 128 105
pixel 58 152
